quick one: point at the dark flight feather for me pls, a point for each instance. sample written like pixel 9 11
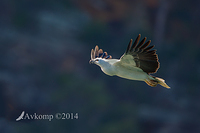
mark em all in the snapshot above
pixel 92 54
pixel 129 45
pixel 135 43
pixel 144 57
pixel 98 53
pixel 141 43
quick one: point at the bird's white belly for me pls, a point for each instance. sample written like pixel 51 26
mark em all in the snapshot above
pixel 132 74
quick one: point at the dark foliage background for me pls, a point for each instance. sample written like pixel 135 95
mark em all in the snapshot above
pixel 44 54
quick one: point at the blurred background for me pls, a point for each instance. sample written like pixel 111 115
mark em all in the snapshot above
pixel 44 66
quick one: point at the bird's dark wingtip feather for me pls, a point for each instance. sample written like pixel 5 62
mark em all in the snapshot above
pixel 135 43
pixel 129 45
pixel 143 54
pixel 92 54
pixel 98 53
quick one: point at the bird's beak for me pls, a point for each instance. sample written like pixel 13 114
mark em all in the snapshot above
pixel 91 61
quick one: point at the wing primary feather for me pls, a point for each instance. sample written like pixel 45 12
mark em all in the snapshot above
pixel 100 52
pixel 145 45
pixel 96 51
pixel 129 46
pixel 104 55
pixel 92 54
pixel 135 43
pixel 147 49
pixel 151 52
pixel 140 44
pixel 108 57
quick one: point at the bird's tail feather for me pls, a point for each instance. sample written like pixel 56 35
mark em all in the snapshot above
pixel 155 81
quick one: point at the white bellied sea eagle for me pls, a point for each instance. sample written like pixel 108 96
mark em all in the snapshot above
pixel 137 63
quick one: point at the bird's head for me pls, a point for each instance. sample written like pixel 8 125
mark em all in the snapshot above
pixel 97 61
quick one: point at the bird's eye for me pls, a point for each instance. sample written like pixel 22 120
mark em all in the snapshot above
pixel 97 59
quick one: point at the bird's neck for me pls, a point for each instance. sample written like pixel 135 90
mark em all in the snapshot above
pixel 107 67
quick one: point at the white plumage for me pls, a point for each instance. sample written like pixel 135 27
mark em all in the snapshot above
pixel 135 64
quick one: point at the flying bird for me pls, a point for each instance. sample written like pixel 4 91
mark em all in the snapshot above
pixel 137 63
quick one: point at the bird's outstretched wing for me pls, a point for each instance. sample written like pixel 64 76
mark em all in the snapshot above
pixel 98 53
pixel 140 55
